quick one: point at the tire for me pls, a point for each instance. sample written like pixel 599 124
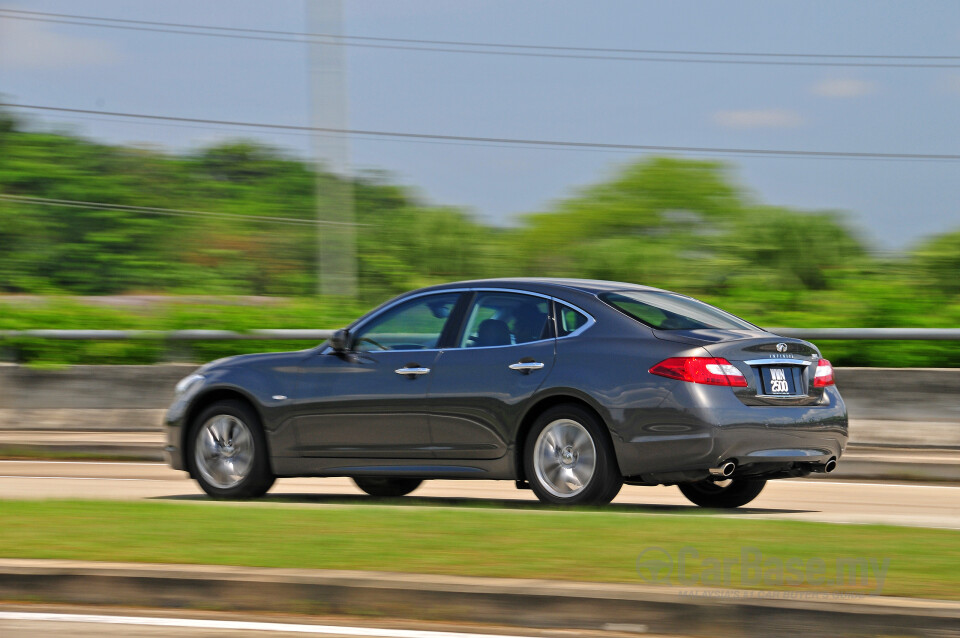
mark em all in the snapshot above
pixel 227 452
pixel 738 492
pixel 386 487
pixel 569 458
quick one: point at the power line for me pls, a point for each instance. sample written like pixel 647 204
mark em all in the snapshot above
pixel 151 210
pixel 4 13
pixel 238 130
pixel 501 49
pixel 855 155
pixel 483 44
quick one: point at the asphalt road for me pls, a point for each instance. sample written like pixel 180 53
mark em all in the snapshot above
pixel 93 622
pixel 822 499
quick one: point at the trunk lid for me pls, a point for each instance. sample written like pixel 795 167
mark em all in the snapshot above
pixel 779 370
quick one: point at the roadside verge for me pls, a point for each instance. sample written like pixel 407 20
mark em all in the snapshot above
pixel 517 602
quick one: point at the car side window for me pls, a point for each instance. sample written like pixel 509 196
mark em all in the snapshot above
pixel 504 318
pixel 414 325
pixel 569 320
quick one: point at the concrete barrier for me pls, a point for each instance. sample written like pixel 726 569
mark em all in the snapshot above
pixel 84 399
pixel 901 394
pixel 902 407
pixel 889 407
pixel 90 387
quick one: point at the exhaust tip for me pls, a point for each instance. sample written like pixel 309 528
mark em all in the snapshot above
pixel 823 468
pixel 725 469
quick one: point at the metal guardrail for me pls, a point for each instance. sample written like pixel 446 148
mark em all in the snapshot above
pixel 813 334
pixel 169 335
pixel 870 334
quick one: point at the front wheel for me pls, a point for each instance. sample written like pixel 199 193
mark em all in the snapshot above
pixel 228 452
pixel 385 487
pixel 569 459
pixel 722 494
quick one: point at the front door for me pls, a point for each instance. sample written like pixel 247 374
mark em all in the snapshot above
pixel 370 403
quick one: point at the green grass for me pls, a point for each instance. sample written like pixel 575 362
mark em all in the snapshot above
pixel 592 545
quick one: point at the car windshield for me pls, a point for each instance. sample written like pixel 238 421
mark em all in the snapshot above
pixel 670 311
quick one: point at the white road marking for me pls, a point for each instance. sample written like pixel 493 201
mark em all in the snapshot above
pixel 80 478
pixel 195 623
pixel 42 462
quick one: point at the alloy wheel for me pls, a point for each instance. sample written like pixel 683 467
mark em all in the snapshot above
pixel 224 451
pixel 564 458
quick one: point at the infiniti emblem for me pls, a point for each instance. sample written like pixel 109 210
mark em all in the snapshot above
pixel 781 347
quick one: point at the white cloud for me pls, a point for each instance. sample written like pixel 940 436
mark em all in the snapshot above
pixel 31 46
pixel 844 88
pixel 758 118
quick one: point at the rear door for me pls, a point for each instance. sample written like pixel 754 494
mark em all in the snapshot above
pixel 501 356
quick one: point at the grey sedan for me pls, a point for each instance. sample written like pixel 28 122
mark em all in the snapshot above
pixel 570 388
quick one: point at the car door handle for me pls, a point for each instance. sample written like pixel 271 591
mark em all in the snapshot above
pixel 526 366
pixel 412 371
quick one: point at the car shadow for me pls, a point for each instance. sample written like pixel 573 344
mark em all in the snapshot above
pixel 486 503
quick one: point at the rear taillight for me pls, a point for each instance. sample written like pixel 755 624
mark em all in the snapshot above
pixel 824 374
pixel 705 370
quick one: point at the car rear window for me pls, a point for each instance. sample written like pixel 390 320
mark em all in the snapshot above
pixel 670 311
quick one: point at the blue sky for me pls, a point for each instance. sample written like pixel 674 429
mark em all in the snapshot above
pixel 892 203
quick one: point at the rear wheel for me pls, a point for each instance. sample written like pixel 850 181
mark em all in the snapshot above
pixel 228 452
pixel 568 458
pixel 386 487
pixel 725 494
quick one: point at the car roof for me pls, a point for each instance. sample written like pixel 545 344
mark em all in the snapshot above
pixel 544 284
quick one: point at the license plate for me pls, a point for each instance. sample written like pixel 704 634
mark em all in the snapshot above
pixel 779 381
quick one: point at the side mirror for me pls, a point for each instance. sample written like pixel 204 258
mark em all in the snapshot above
pixel 340 341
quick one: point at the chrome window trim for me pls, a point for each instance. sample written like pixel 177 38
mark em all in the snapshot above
pixel 579 331
pixel 590 320
pixel 361 322
pixel 357 326
pixel 506 345
pixel 328 350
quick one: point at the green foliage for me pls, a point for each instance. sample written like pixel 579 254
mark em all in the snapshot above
pixel 174 313
pixel 673 223
pixel 936 265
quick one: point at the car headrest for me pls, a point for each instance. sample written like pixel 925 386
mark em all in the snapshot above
pixel 529 324
pixel 493 332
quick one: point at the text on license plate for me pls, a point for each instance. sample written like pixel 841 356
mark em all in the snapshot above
pixel 778 381
pixel 782 381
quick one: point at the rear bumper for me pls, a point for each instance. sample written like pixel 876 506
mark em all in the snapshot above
pixel 676 445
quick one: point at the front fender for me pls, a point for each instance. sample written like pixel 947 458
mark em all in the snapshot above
pixel 261 389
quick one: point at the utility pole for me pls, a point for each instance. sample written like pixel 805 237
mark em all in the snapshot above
pixel 336 258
